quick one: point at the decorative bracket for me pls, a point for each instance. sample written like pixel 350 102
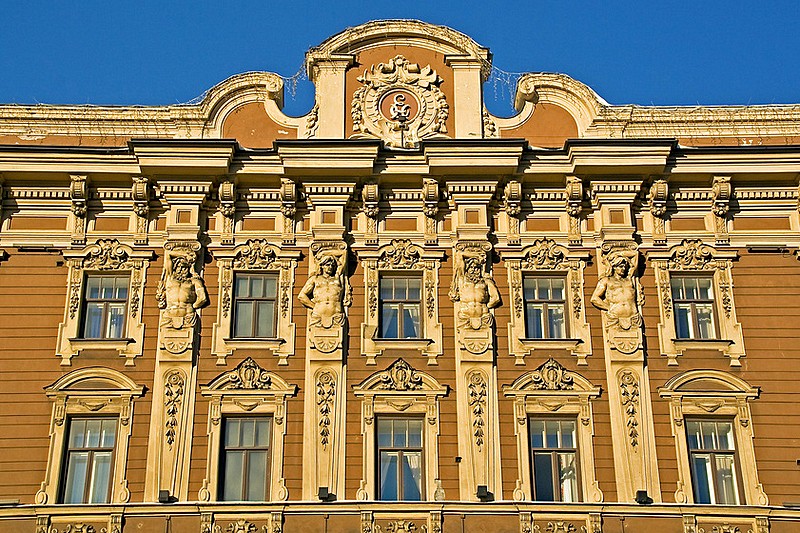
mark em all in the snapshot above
pixel 227 206
pixel 371 195
pixel 512 202
pixel 288 209
pixel 721 193
pixel 78 193
pixel 430 207
pixel 659 193
pixel 140 193
pixel 574 207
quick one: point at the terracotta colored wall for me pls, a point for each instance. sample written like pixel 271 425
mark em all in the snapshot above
pixel 548 127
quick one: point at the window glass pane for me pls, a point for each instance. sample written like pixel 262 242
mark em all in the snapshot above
pixel 415 433
pixel 266 319
pixel 233 478
pixel 77 433
pixel 558 288
pixel 388 473
pixel 704 289
pixel 551 430
pixel 244 320
pixel 263 429
pixel 708 434
pixel 693 434
pixel 256 476
pixel 529 288
pixel 690 288
pixel 389 315
pixel 248 432
pixel 533 319
pixel 567 434
pixel 537 434
pixel 726 480
pixel 400 288
pixel 75 483
pixel 93 432
pixel 410 321
pixel 543 476
pixel 543 289
pixel 555 321
pixel 92 328
pixel 413 289
pixel 257 286
pixel 108 431
pixel 412 476
pixel 387 288
pixel 232 432
pixel 704 485
pixel 568 477
pixel 101 476
pixel 400 429
pixel 116 321
pixel 384 432
pixel 242 287
pixel 121 285
pixel 683 320
pixel 725 436
pixel 107 288
pixel 93 287
pixel 705 321
pixel 270 286
pixel 677 288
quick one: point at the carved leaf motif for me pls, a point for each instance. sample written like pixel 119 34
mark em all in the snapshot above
pixel 400 376
pixel 477 403
pixel 254 254
pixel 401 253
pixel 106 254
pixel 543 254
pixel 560 527
pixel 326 390
pixel 551 375
pixel 249 375
pixel 629 389
pixel 173 398
pixel 692 255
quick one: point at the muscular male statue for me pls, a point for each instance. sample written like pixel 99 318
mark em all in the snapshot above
pixel 477 293
pixel 325 293
pixel 181 291
pixel 616 294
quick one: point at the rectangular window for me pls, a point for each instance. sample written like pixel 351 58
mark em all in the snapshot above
pixel 545 307
pixel 245 459
pixel 693 300
pixel 712 454
pixel 255 305
pixel 105 304
pixel 400 307
pixel 89 460
pixel 554 460
pixel 400 458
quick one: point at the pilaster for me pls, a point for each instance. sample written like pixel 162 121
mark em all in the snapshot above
pixel 328 74
pixel 468 96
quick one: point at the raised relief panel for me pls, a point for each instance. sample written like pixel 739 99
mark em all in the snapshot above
pixel 707 324
pixel 552 390
pixel 247 390
pixel 557 321
pixel 272 268
pixel 401 259
pixel 400 102
pixel 105 259
pixel 475 294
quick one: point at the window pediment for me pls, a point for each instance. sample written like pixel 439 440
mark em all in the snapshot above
pixel 248 377
pixel 402 378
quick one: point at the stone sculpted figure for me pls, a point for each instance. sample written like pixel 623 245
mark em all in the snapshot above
pixel 181 291
pixel 476 292
pixel 617 295
pixel 326 292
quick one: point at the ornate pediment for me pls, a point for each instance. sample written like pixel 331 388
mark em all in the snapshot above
pixel 254 254
pixel 692 255
pixel 399 102
pixel 400 377
pixel 249 376
pixel 551 375
pixel 106 254
pixel 401 253
pixel 544 254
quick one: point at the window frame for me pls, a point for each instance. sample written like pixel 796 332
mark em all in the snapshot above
pixel 713 394
pixel 713 453
pixel 555 392
pixel 86 393
pixel 86 300
pixel 256 256
pixel 553 452
pixel 223 463
pixel 400 450
pixel 545 304
pixel 247 390
pixel 65 462
pixel 274 300
pixel 693 303
pixel 400 320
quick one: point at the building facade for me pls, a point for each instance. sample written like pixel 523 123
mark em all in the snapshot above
pixel 399 312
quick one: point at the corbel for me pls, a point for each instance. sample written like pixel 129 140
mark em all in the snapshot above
pixel 227 206
pixel 512 203
pixel 288 209
pixel 140 193
pixel 78 193
pixel 430 207
pixel 721 192
pixel 574 206
pixel 659 192
pixel 371 196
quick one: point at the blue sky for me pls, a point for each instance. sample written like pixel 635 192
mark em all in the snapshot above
pixel 644 52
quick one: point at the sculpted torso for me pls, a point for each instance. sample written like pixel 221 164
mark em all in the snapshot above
pixel 476 294
pixel 616 295
pixel 323 293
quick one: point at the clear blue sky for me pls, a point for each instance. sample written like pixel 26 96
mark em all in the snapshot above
pixel 644 52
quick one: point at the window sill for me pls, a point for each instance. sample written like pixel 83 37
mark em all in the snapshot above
pixel 702 344
pixel 413 344
pixel 254 342
pixel 565 344
pixel 101 344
